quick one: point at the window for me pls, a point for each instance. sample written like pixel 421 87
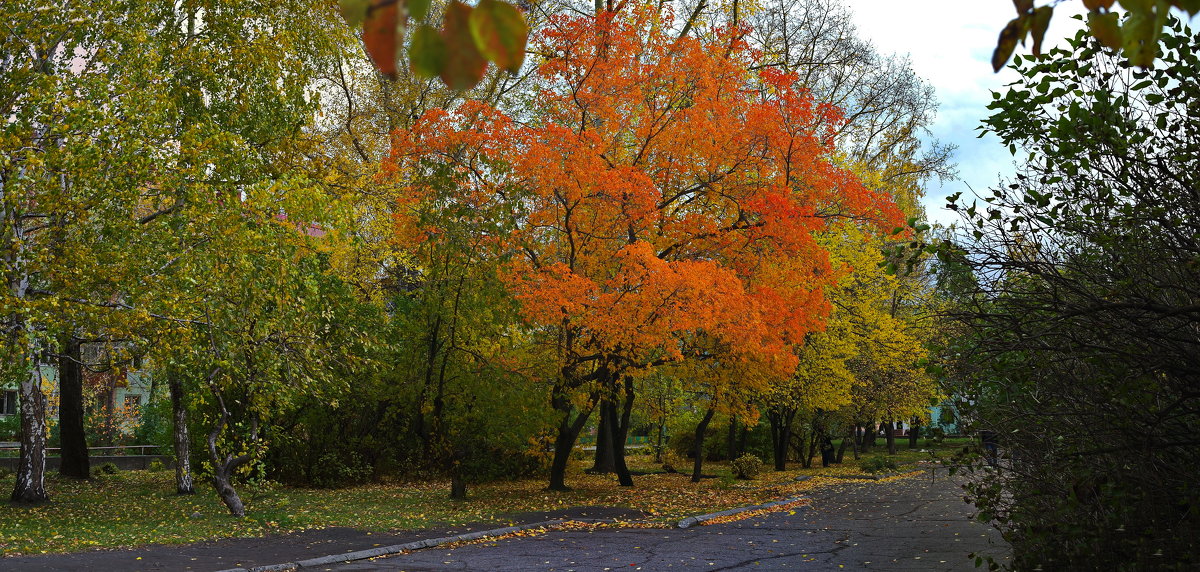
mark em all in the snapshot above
pixel 8 402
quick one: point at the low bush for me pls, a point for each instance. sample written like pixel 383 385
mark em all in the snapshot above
pixel 747 467
pixel 673 462
pixel 109 468
pixel 877 464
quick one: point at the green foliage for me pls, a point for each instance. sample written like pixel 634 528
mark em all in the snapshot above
pixel 1137 34
pixel 878 464
pixel 333 470
pixel 747 466
pixel 108 468
pixel 673 462
pixel 156 466
pixel 10 427
pixel 1078 343
pixel 458 53
pixel 156 426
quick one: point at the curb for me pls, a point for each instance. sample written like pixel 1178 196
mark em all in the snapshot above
pixel 694 520
pixel 395 549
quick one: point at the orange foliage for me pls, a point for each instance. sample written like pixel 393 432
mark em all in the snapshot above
pixel 660 189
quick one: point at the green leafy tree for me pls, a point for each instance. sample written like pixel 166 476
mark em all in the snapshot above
pixel 1137 33
pixel 1082 333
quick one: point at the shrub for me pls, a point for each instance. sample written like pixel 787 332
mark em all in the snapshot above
pixel 109 468
pixel 673 462
pixel 156 466
pixel 747 466
pixel 332 470
pixel 877 464
pixel 10 428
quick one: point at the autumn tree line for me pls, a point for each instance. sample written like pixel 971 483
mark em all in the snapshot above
pixel 665 214
pixel 692 221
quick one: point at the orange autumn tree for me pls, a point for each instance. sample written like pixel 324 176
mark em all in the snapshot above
pixel 660 190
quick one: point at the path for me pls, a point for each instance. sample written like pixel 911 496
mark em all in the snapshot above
pixel 907 524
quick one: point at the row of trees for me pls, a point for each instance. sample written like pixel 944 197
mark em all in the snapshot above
pixel 330 270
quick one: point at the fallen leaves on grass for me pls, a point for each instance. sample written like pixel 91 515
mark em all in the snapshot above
pixel 135 508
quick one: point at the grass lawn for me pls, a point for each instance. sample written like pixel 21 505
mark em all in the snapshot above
pixel 133 508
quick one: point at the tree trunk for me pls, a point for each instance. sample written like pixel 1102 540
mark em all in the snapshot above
pixel 891 438
pixel 858 438
pixel 731 439
pixel 781 435
pixel 31 466
pixel 914 433
pixel 805 449
pixel 658 445
pixel 869 433
pixel 222 481
pixel 604 461
pixel 568 432
pixel 458 486
pixel 621 434
pixel 183 452
pixel 841 452
pixel 700 429
pixel 73 442
pixel 743 434
pixel 224 467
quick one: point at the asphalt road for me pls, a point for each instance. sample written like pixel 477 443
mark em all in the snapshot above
pixel 916 523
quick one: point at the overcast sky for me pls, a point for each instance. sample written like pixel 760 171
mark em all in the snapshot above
pixel 950 45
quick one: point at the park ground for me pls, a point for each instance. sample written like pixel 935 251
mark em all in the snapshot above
pixel 133 509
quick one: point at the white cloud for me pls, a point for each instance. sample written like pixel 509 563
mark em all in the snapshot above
pixel 950 43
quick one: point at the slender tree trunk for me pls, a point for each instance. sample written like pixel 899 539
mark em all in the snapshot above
pixel 858 438
pixel 869 433
pixel 741 444
pixel 183 452
pixel 891 438
pixel 31 466
pixel 225 466
pixel 805 449
pixel 568 432
pixel 458 481
pixel 914 432
pixel 658 444
pixel 731 439
pixel 841 452
pixel 73 447
pixel 699 450
pixel 621 434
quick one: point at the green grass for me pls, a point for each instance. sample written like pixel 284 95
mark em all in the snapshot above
pixel 133 508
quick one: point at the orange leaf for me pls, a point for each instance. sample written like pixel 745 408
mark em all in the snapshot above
pixel 381 37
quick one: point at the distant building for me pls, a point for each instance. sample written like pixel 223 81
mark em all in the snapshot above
pixel 118 392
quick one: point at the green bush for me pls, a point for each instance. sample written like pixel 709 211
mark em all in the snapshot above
pixel 10 428
pixel 877 464
pixel 334 470
pixel 747 466
pixel 157 424
pixel 156 466
pixel 673 462
pixel 108 468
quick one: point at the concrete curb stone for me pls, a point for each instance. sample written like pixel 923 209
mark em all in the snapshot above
pixel 387 550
